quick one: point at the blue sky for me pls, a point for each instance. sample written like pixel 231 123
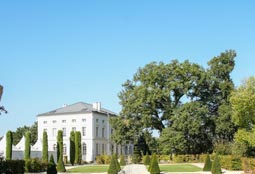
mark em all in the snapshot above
pixel 61 52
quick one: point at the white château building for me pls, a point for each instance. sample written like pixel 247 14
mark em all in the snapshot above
pixel 91 120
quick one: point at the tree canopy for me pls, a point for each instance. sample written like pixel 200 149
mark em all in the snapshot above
pixel 183 101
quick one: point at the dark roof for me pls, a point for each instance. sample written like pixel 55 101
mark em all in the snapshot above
pixel 76 108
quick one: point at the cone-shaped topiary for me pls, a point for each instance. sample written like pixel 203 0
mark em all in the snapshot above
pixel 216 168
pixel 146 160
pixel 122 160
pixel 154 168
pixel 51 169
pixel 112 167
pixel 72 147
pixel 152 157
pixel 208 163
pixel 45 147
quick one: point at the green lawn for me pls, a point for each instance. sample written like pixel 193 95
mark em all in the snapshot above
pixel 90 169
pixel 179 168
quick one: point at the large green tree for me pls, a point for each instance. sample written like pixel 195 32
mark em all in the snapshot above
pixel 243 107
pixel 20 132
pixel 45 147
pixel 161 94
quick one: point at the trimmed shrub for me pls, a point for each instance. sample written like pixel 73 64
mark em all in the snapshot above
pixel 35 165
pixel 216 167
pixel 208 164
pixel 9 141
pixel 122 160
pixel 14 166
pixel 117 162
pixel 72 147
pixel 51 169
pixel 103 159
pixel 27 151
pixel 60 165
pixel 146 160
pixel 45 147
pixel 154 168
pixel 77 147
pixel 112 168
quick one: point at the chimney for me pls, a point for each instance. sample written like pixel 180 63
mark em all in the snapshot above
pixel 97 106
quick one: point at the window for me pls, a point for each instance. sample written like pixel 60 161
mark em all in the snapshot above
pixel 102 121
pixel 54 147
pixel 64 131
pixel 96 131
pixel 97 149
pixel 54 121
pixel 74 129
pixel 97 120
pixel 83 120
pixel 103 149
pixel 45 130
pixel 63 121
pixel 73 120
pixel 111 131
pixel 44 122
pixel 102 132
pixel 64 149
pixel 83 131
pixel 84 149
pixel 54 132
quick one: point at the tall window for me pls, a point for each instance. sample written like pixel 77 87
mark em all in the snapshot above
pixel 63 121
pixel 84 149
pixel 102 132
pixel 64 131
pixel 44 122
pixel 83 131
pixel 73 120
pixel 83 120
pixel 54 121
pixel 96 131
pixel 97 120
pixel 54 132
pixel 103 148
pixel 54 147
pixel 97 150
pixel 74 129
pixel 64 149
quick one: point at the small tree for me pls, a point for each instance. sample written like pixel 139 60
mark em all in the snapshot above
pixel 78 147
pixel 154 168
pixel 122 160
pixel 216 168
pixel 60 165
pixel 208 163
pixel 27 145
pixel 72 147
pixel 136 157
pixel 9 140
pixel 146 160
pixel 51 169
pixel 112 168
pixel 117 162
pixel 45 147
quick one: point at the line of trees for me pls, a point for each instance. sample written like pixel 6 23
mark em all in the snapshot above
pixel 191 107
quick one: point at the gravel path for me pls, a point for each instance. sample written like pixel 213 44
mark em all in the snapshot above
pixel 135 169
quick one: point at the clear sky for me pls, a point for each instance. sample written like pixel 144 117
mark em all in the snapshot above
pixel 62 52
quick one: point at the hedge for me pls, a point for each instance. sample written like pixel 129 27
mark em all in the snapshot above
pixel 14 166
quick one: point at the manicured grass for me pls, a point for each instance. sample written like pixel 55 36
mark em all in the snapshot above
pixel 90 169
pixel 179 168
